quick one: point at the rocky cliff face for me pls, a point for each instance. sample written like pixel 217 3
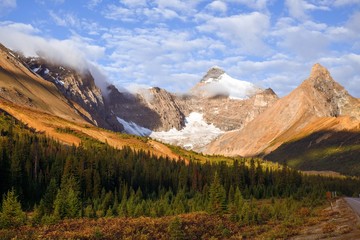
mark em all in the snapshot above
pixel 78 87
pixel 154 108
pixel 318 96
pixel 336 100
pixel 159 110
pixel 21 86
pixel 228 109
pixel 226 113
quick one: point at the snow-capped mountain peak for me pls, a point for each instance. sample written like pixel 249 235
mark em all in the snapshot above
pixel 214 73
pixel 217 82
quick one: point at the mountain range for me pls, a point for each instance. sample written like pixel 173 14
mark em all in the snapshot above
pixel 315 127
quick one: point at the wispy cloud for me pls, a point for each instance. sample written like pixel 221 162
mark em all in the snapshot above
pixel 7 6
pixel 172 43
pixel 299 8
pixel 245 31
pixel 76 52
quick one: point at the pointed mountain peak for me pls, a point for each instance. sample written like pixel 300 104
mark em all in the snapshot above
pixel 213 73
pixel 318 72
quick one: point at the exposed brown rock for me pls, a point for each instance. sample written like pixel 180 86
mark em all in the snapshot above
pixel 153 108
pixel 225 113
pixel 318 96
pixel 21 86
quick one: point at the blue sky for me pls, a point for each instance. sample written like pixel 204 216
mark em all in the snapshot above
pixel 172 43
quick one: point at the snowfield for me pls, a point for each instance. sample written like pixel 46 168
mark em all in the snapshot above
pixel 133 128
pixel 195 135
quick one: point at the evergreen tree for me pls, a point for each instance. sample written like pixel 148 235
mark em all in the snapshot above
pixel 11 214
pixel 217 197
pixel 67 202
pixel 49 197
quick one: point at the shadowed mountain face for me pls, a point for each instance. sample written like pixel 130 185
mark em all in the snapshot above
pixel 78 88
pixel 337 151
pixel 154 108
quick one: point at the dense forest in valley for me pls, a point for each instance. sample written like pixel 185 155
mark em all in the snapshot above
pixel 54 181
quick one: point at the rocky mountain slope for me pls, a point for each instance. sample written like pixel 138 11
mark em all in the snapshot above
pixel 154 108
pixel 318 96
pixel 216 104
pixel 226 102
pixel 21 86
pixel 42 106
pixel 78 87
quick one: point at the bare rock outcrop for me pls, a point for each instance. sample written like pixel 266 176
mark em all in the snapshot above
pixel 154 108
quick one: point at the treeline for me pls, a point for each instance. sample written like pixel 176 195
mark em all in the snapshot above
pixel 96 180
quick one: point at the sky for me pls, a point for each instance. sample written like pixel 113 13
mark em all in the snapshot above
pixel 172 43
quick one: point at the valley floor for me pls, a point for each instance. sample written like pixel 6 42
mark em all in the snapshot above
pixel 340 222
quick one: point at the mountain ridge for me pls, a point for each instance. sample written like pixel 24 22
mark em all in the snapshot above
pixel 258 124
pixel 318 96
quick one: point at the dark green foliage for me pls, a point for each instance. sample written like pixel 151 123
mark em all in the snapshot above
pixel 67 203
pixel 11 214
pixel 217 197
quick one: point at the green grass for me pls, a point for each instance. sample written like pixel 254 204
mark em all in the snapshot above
pixel 339 153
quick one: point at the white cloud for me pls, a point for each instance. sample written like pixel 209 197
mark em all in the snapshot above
pixel 93 3
pixel 19 27
pixel 134 3
pixel 178 5
pixel 75 52
pixel 158 57
pixel 246 31
pixel 65 19
pixel 254 4
pixel 71 21
pixel 150 11
pixel 299 8
pixel 354 22
pixel 346 2
pixel 6 6
pixel 218 6
pixel 305 41
pixel 172 43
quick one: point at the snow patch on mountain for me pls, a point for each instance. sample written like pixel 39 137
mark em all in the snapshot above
pixel 226 85
pixel 133 128
pixel 196 133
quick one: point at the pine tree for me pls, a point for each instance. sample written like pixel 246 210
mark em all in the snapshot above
pixel 217 198
pixel 67 202
pixel 49 197
pixel 11 214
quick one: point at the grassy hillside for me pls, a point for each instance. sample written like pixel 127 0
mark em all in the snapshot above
pixel 337 151
pixel 73 132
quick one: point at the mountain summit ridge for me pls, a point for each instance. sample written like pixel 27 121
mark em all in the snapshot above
pixel 317 96
pixel 213 73
pixel 319 72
